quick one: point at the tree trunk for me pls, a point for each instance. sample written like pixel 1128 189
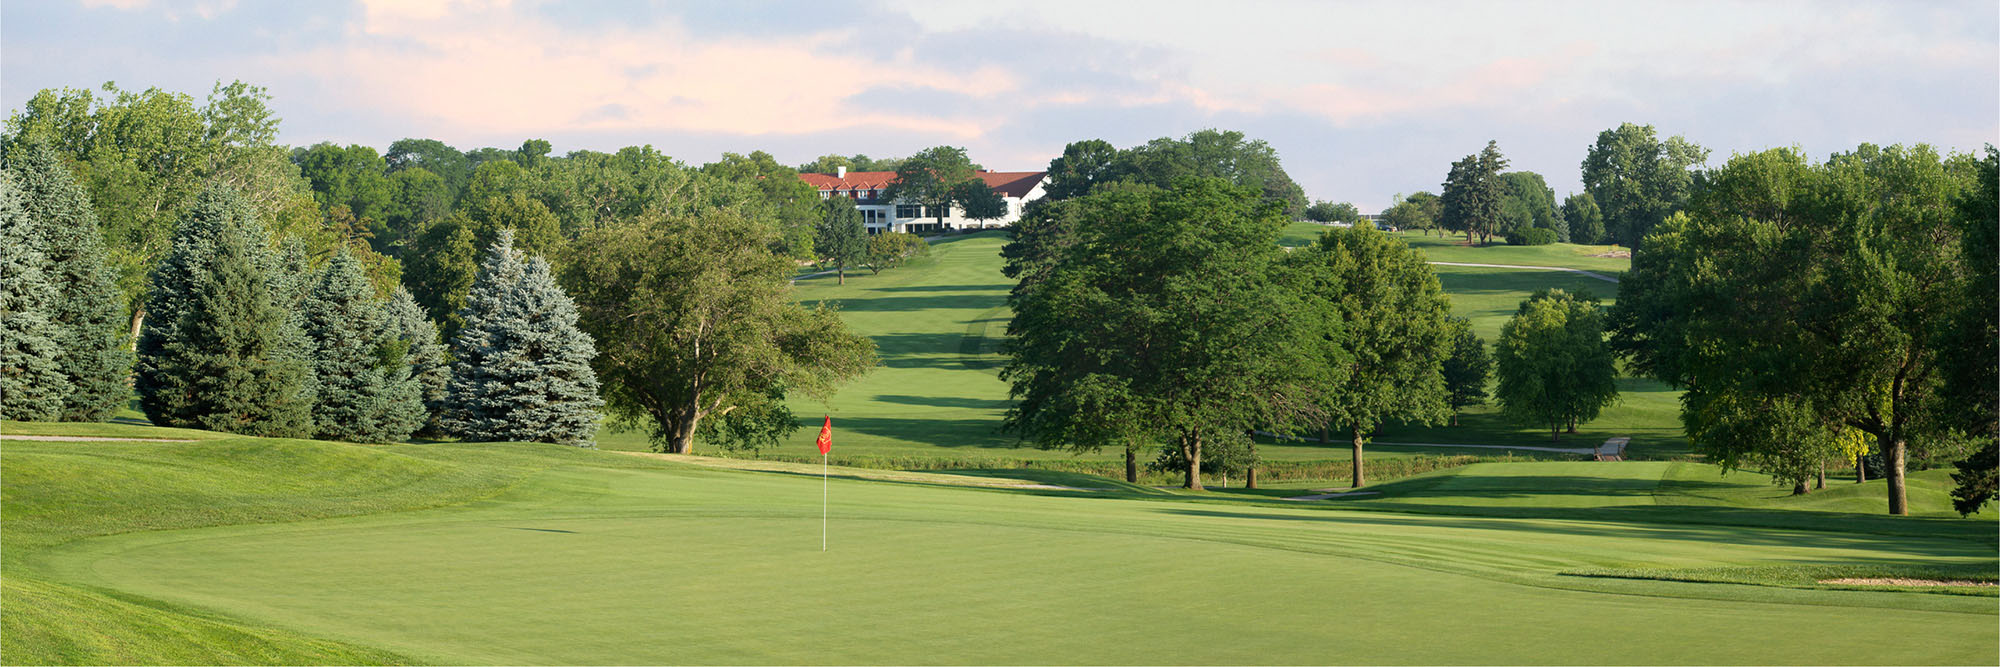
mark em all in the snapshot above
pixel 1822 475
pixel 1250 475
pixel 1360 477
pixel 1556 433
pixel 1893 452
pixel 138 318
pixel 1572 427
pixel 1799 488
pixel 1454 418
pixel 841 271
pixel 680 425
pixel 1191 450
pixel 1322 436
pixel 1860 468
pixel 1131 463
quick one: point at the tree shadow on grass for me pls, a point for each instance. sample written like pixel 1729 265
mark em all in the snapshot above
pixel 1679 522
pixel 948 402
pixel 1000 287
pixel 951 433
pixel 884 304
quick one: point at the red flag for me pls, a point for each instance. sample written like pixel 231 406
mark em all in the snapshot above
pixel 825 441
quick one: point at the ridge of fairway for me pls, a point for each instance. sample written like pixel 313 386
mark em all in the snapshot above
pixel 1001 480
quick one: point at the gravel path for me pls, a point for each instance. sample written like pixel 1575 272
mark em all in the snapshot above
pixel 1592 274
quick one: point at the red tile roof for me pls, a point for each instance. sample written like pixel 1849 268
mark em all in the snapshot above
pixel 1008 183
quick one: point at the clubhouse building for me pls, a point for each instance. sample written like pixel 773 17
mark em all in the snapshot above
pixel 1016 188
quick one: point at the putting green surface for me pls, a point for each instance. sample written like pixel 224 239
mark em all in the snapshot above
pixel 580 557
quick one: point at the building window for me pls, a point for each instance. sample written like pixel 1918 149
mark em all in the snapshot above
pixel 908 211
pixel 937 211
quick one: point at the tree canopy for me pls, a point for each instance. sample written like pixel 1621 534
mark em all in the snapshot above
pixel 1826 290
pixel 699 336
pixel 1554 368
pixel 1377 317
pixel 1637 180
pixel 1158 320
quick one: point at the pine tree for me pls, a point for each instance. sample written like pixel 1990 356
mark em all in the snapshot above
pixel 166 394
pixel 88 308
pixel 222 359
pixel 32 384
pixel 521 369
pixel 365 392
pixel 424 353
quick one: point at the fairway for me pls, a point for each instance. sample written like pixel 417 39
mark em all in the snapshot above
pixel 937 399
pixel 605 558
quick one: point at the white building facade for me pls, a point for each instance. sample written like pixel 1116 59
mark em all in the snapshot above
pixel 1016 188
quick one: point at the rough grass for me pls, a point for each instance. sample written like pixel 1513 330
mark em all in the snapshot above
pixel 509 553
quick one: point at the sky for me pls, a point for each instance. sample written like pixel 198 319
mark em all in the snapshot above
pixel 1362 100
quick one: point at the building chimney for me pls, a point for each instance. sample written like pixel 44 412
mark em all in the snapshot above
pixel 840 172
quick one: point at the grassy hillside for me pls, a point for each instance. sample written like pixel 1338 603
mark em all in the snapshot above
pixel 937 400
pixel 253 550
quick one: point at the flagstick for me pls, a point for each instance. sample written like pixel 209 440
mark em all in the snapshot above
pixel 822 501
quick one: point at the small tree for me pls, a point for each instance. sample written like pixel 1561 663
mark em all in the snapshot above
pixel 425 354
pixel 1978 479
pixel 1586 223
pixel 941 176
pixel 700 336
pixel 1417 211
pixel 32 384
pixel 890 249
pixel 1466 370
pixel 1554 367
pixel 1326 211
pixel 841 239
pixel 521 369
pixel 1379 317
pixel 88 305
pixel 365 392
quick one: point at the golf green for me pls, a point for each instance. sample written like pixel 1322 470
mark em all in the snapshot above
pixel 599 558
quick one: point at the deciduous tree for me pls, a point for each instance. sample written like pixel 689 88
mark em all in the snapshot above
pixel 841 239
pixel 1826 286
pixel 1638 180
pixel 1383 332
pixel 698 332
pixel 1554 367
pixel 1467 369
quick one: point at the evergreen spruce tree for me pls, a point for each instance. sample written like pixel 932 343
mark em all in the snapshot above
pixel 168 397
pixel 365 392
pixel 222 360
pixel 424 352
pixel 521 368
pixel 291 280
pixel 88 308
pixel 32 384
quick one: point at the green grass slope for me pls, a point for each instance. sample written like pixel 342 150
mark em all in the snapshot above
pixel 937 399
pixel 540 554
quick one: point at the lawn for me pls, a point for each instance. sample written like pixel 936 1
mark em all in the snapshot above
pixel 253 550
